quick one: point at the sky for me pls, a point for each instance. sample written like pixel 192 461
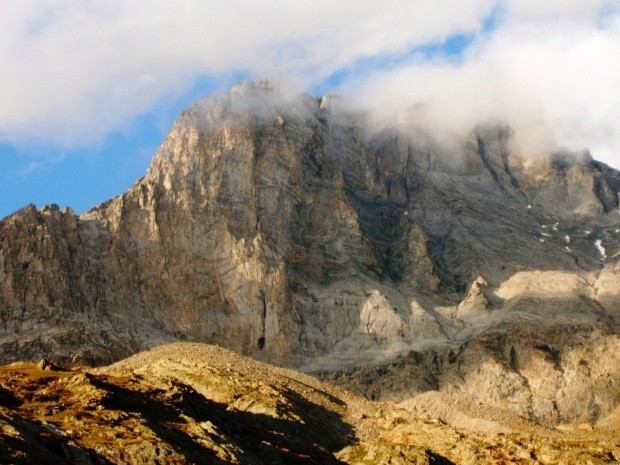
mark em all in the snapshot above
pixel 89 88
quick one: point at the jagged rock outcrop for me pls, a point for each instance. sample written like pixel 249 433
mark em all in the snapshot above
pixel 284 228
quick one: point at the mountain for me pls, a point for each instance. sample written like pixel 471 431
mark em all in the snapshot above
pixel 291 229
pixel 193 403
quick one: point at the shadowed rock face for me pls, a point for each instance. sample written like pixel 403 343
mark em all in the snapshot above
pixel 284 229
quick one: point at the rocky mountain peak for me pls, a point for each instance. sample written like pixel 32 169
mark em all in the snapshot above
pixel 272 225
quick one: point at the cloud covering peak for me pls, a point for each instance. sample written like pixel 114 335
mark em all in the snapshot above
pixel 74 70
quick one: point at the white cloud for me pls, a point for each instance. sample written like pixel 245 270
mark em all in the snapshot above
pixel 74 70
pixel 535 9
pixel 555 79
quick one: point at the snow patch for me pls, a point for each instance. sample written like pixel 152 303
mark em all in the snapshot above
pixel 529 207
pixel 555 226
pixel 567 249
pixel 599 245
pixel 541 240
pixel 567 239
pixel 545 234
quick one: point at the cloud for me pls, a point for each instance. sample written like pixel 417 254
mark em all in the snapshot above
pixel 574 9
pixel 28 168
pixel 75 70
pixel 553 78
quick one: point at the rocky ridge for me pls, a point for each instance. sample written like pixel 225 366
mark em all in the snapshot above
pixel 193 403
pixel 285 228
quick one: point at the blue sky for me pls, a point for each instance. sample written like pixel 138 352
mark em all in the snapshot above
pixel 81 178
pixel 90 89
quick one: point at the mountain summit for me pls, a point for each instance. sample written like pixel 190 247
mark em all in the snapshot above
pixel 284 228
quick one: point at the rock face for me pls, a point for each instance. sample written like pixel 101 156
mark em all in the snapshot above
pixel 285 229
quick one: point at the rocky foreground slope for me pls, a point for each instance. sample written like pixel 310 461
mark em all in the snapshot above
pixel 193 403
pixel 292 230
